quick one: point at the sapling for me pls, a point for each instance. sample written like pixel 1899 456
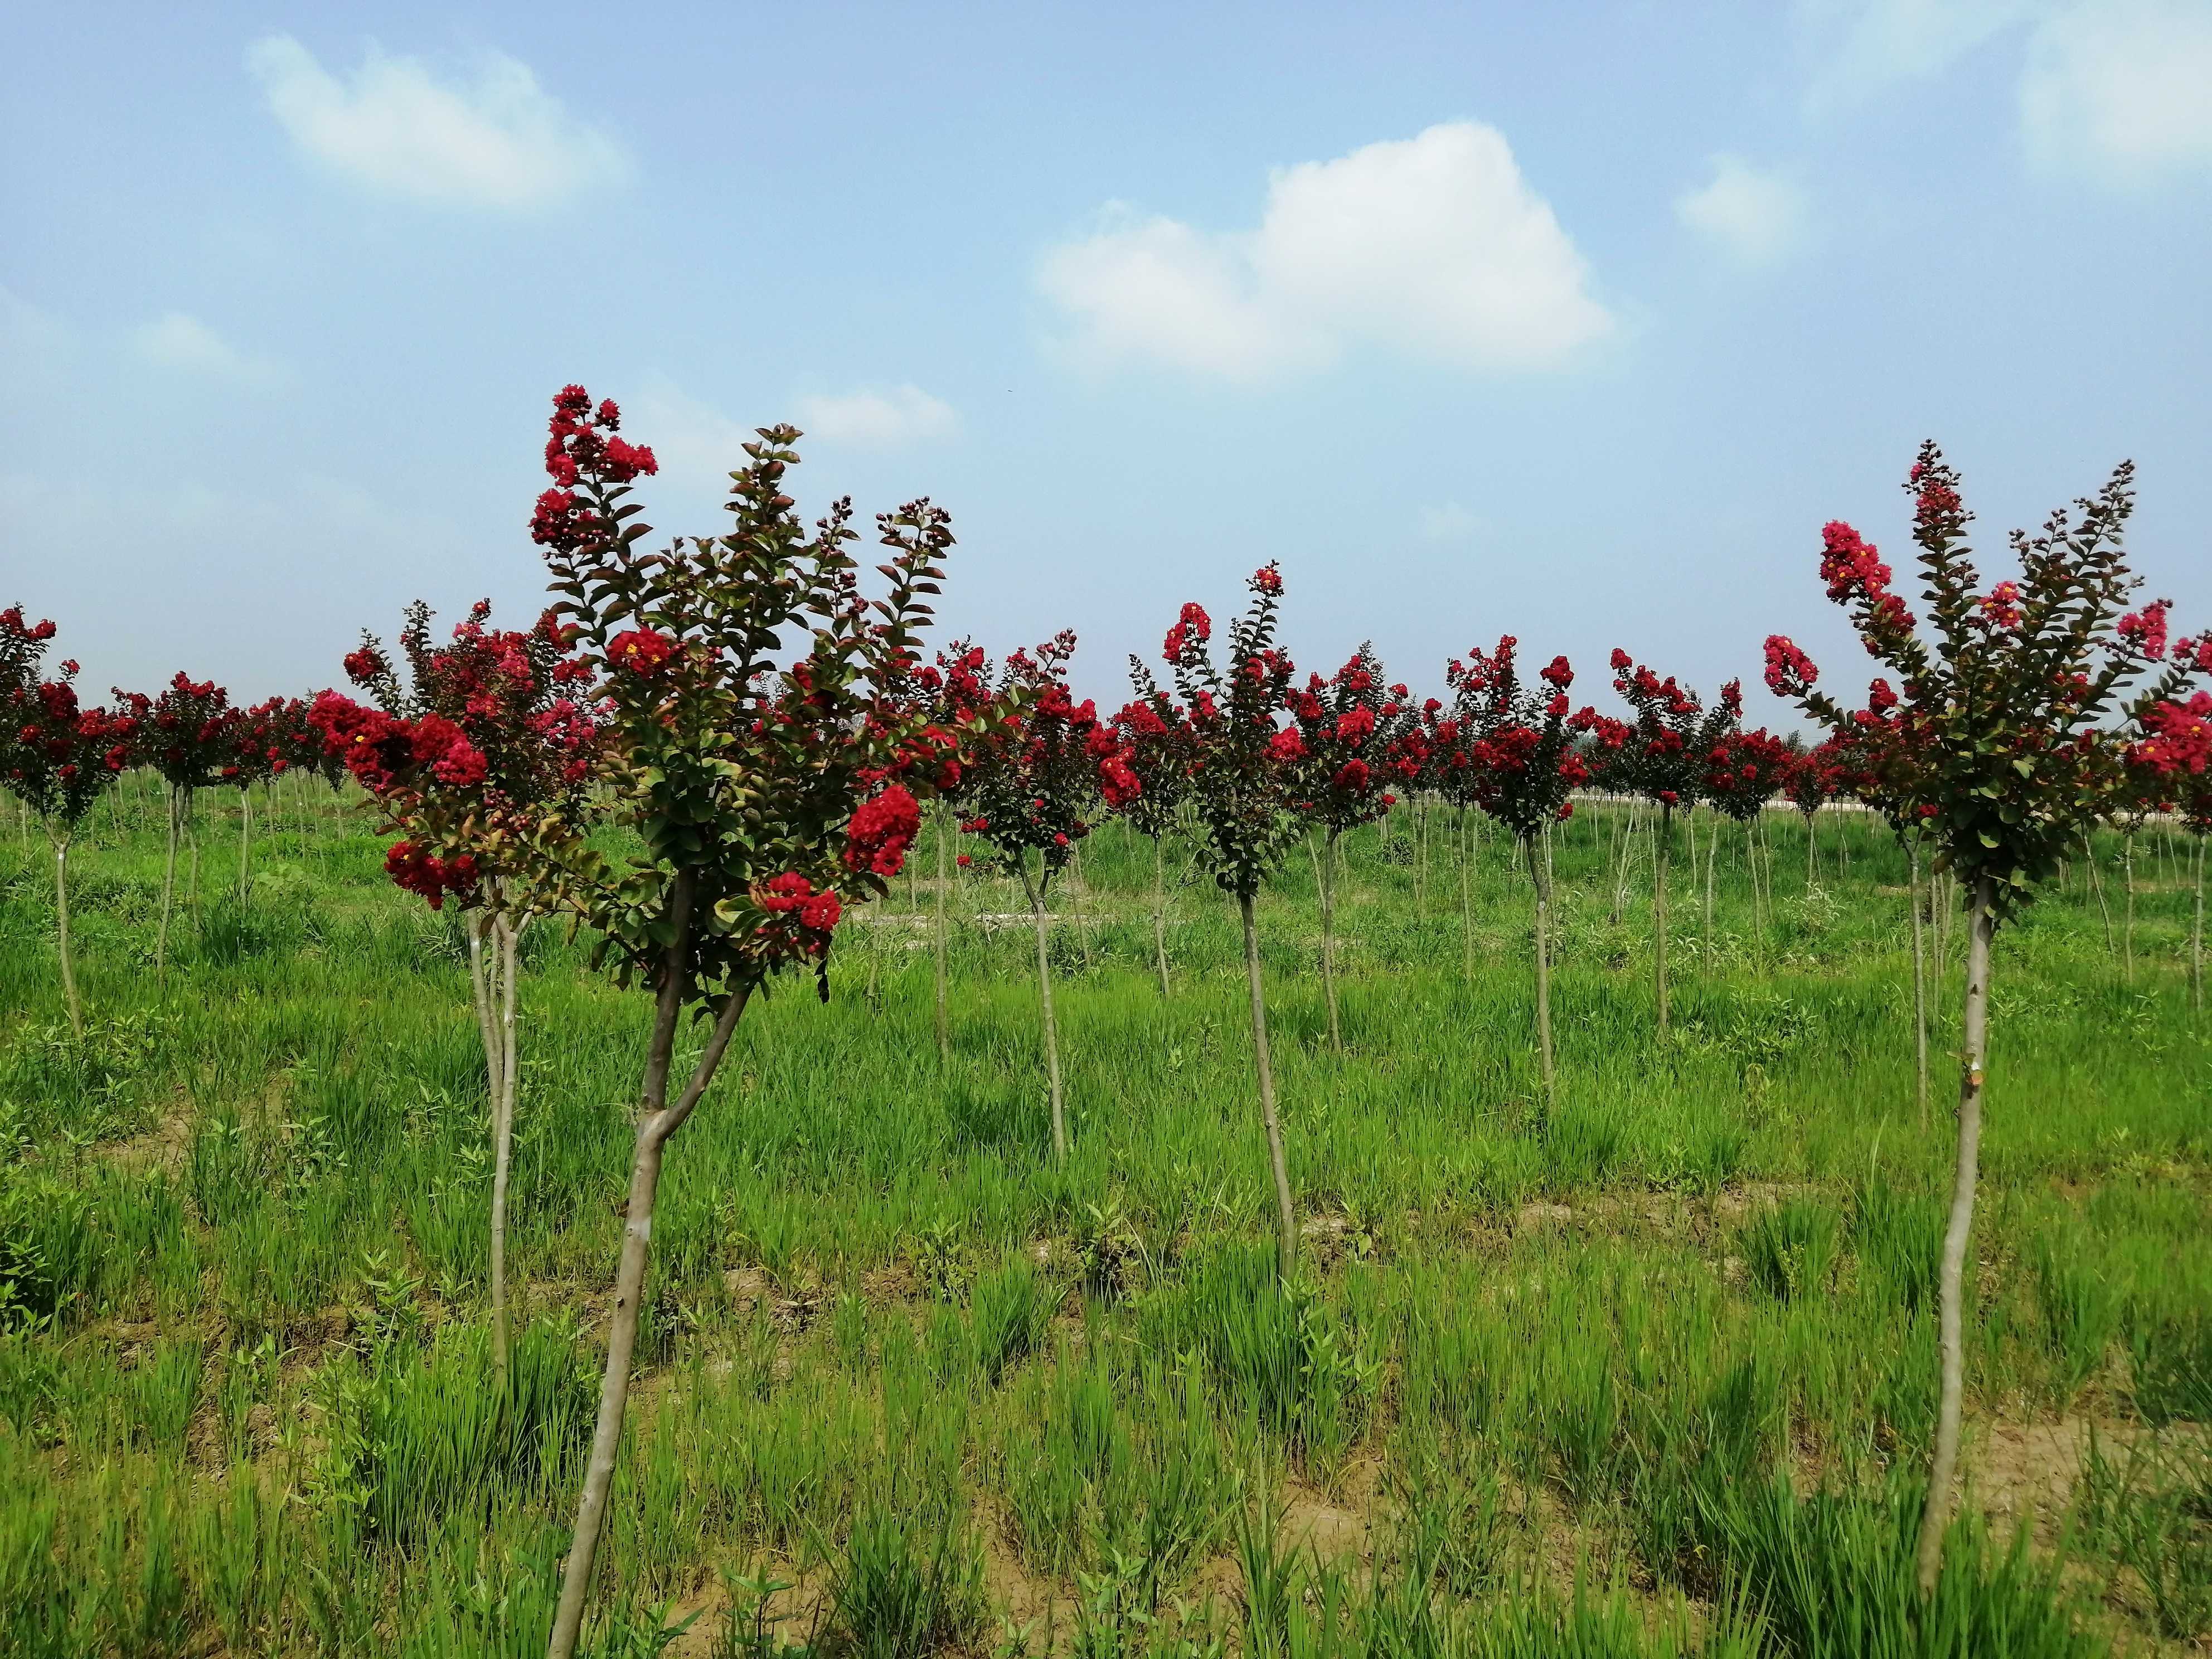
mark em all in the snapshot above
pixel 56 757
pixel 1032 786
pixel 764 792
pixel 1743 772
pixel 1811 778
pixel 1663 761
pixel 1342 721
pixel 2015 720
pixel 2173 764
pixel 1242 783
pixel 1526 758
pixel 1157 745
pixel 183 735
pixel 476 761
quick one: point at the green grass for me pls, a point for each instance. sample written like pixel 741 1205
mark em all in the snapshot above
pixel 1650 1373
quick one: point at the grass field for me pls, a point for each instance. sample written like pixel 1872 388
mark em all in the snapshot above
pixel 1651 1373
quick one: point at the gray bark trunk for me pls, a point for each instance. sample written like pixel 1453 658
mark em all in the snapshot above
pixel 61 917
pixel 943 880
pixel 1160 911
pixel 1951 1285
pixel 1044 1001
pixel 1661 835
pixel 1919 985
pixel 1327 863
pixel 1540 879
pixel 1287 1220
pixel 168 890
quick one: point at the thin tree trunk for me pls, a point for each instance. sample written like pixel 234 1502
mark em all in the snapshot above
pixel 1812 845
pixel 1950 1287
pixel 1466 906
pixel 2196 938
pixel 2097 886
pixel 245 833
pixel 484 995
pixel 656 1123
pixel 1713 862
pixel 1160 911
pixel 1540 879
pixel 1044 1002
pixel 1286 1256
pixel 2128 865
pixel 1075 902
pixel 61 915
pixel 1326 864
pixel 169 891
pixel 943 880
pixel 1919 984
pixel 507 932
pixel 1662 834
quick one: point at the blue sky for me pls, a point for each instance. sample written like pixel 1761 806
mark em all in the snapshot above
pixel 1572 321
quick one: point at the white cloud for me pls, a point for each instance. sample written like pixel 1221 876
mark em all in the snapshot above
pixel 2120 88
pixel 1759 217
pixel 1867 45
pixel 182 342
pixel 1449 522
pixel 1433 246
pixel 697 444
pixel 499 143
pixel 878 419
pixel 28 331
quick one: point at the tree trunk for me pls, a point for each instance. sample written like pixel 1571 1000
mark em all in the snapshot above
pixel 168 889
pixel 507 931
pixel 1286 1221
pixel 1075 902
pixel 944 881
pixel 1044 1001
pixel 1160 911
pixel 1328 872
pixel 1919 984
pixel 2196 937
pixel 483 994
pixel 2127 933
pixel 656 1124
pixel 1663 835
pixel 1466 907
pixel 1540 879
pixel 245 835
pixel 1951 1287
pixel 1811 846
pixel 1712 863
pixel 2097 886
pixel 61 916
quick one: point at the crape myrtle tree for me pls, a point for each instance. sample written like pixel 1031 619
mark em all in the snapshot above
pixel 1159 747
pixel 1033 787
pixel 1344 724
pixel 1243 779
pixel 184 735
pixel 953 696
pixel 1527 762
pixel 1813 777
pixel 1454 776
pixel 764 792
pixel 2174 761
pixel 1664 760
pixel 56 756
pixel 1744 771
pixel 476 760
pixel 256 756
pixel 2016 718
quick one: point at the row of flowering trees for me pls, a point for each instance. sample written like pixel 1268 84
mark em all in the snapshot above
pixel 767 734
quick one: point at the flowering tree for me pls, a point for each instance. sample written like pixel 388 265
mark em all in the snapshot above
pixel 1244 780
pixel 1032 786
pixel 951 698
pixel 1527 762
pixel 2174 764
pixel 257 755
pixel 477 761
pixel 1453 775
pixel 1813 777
pixel 2007 720
pixel 1159 749
pixel 184 735
pixel 765 794
pixel 1743 772
pixel 1663 759
pixel 58 756
pixel 1341 722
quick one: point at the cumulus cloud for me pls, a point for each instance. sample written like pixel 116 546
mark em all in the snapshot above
pixel 1434 247
pixel 1864 45
pixel 873 418
pixel 2120 88
pixel 498 141
pixel 1758 217
pixel 182 342
pixel 697 444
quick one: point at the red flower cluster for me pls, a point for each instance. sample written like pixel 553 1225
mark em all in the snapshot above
pixel 804 919
pixel 2145 630
pixel 2178 737
pixel 881 830
pixel 433 879
pixel 641 652
pixel 1789 670
pixel 581 447
pixel 1192 630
